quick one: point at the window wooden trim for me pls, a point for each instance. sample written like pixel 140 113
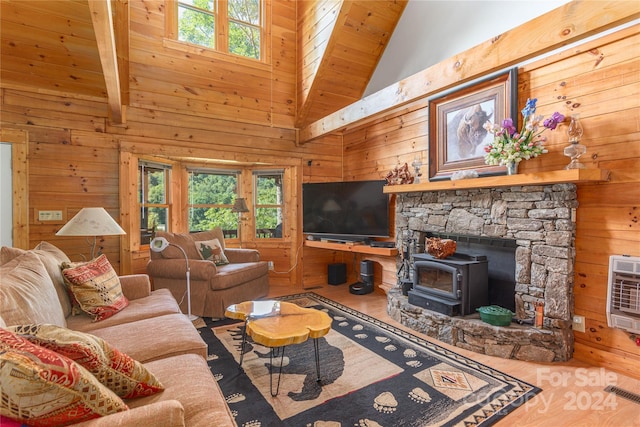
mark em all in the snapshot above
pixel 221 51
pixel 19 141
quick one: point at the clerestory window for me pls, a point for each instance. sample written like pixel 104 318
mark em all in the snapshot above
pixel 230 26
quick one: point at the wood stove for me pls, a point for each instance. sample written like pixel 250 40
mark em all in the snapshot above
pixel 455 286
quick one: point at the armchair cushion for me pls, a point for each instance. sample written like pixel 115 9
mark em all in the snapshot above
pixel 236 255
pixel 175 269
pixel 185 241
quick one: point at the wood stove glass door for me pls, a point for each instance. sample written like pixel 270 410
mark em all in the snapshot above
pixel 436 278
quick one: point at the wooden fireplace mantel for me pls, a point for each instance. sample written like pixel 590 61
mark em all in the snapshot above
pixel 541 178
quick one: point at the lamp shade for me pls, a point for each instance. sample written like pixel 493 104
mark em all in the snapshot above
pixel 91 222
pixel 158 244
pixel 240 205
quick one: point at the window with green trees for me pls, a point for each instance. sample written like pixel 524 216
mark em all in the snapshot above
pixel 211 197
pixel 203 22
pixel 268 194
pixel 153 197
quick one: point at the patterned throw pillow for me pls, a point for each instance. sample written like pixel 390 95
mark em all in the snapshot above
pixel 124 376
pixel 211 250
pixel 43 388
pixel 95 286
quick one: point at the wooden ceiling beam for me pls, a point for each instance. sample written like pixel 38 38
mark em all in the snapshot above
pixel 105 37
pixel 567 24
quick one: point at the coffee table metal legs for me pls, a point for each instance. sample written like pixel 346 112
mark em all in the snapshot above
pixel 275 351
pixel 244 341
pixel 317 356
pixel 279 352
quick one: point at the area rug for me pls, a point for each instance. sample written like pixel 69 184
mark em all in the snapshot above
pixel 372 374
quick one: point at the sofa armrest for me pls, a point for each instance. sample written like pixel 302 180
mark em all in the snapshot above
pixel 135 286
pixel 235 255
pixel 166 413
pixel 176 269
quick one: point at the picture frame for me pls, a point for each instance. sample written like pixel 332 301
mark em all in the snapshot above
pixel 456 118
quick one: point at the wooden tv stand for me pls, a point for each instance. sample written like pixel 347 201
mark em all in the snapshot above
pixel 358 248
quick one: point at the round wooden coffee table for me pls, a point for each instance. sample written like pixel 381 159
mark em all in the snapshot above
pixel 277 324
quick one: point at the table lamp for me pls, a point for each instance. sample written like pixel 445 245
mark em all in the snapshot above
pixel 91 222
pixel 159 244
pixel 239 207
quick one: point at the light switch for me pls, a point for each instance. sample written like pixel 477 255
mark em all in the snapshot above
pixel 49 215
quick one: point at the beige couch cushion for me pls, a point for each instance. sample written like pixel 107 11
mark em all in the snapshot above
pixel 52 258
pixel 197 390
pixel 155 338
pixel 159 303
pixel 27 293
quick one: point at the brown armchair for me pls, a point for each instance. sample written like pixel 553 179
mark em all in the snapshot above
pixel 213 287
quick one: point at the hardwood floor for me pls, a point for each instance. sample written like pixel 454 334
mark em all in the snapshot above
pixel 573 392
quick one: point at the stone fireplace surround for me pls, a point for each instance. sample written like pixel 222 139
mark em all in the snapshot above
pixel 541 219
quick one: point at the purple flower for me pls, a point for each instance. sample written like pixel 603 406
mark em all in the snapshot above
pixel 553 121
pixel 529 108
pixel 508 126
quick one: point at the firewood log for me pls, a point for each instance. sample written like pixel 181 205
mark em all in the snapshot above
pixel 440 248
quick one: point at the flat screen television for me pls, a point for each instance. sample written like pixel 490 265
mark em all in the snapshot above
pixel 349 211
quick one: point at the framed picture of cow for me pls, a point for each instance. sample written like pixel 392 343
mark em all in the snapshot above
pixel 456 118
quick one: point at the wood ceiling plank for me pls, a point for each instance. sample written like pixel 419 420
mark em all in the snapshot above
pixel 49 15
pixel 52 78
pixel 20 49
pixel 363 27
pixel 49 40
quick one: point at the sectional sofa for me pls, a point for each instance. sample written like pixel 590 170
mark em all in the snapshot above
pixel 150 329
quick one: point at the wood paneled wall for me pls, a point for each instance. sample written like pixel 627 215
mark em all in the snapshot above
pixel 212 106
pixel 600 80
pixel 177 77
pixel 74 162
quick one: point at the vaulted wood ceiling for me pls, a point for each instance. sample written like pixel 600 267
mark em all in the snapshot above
pixel 71 47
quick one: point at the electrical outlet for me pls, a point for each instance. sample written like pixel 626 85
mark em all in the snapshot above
pixel 270 265
pixel 578 323
pixel 49 215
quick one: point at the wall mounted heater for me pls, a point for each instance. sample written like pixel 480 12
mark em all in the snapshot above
pixel 623 296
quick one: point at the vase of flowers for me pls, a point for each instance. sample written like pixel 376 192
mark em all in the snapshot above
pixel 509 147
